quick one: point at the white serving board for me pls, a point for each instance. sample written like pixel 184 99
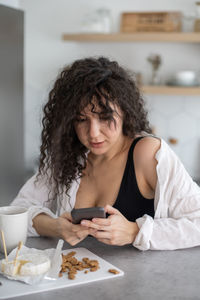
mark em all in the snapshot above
pixel 11 288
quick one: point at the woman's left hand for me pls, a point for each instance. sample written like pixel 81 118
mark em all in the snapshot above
pixel 114 230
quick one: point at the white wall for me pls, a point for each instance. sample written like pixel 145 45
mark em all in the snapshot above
pixel 11 3
pixel 46 54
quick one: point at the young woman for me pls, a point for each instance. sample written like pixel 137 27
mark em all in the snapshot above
pixel 97 150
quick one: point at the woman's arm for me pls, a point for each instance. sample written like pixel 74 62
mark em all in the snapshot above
pixel 42 221
pixel 176 223
pixel 45 225
pixel 60 227
pixel 35 198
pixel 114 230
pixel 145 161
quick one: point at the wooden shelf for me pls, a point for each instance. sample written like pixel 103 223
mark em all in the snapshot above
pixel 176 37
pixel 170 90
pixel 184 37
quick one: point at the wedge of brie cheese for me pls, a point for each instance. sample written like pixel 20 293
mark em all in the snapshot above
pixel 35 264
pixel 29 264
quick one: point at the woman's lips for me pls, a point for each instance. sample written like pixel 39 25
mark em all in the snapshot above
pixel 97 145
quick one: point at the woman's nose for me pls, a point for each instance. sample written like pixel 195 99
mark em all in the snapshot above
pixel 94 128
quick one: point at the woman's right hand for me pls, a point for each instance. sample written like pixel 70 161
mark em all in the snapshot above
pixel 71 233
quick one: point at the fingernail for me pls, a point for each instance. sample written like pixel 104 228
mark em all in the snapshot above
pixel 83 222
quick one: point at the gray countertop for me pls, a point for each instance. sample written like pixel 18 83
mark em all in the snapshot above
pixel 147 275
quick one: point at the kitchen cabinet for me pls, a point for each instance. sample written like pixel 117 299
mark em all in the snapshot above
pixel 172 37
pixel 11 102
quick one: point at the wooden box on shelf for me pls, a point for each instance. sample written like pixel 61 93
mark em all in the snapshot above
pixel 150 22
pixel 197 25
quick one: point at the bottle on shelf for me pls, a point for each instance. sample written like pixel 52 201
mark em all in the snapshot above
pixel 155 61
pixel 197 20
pixel 98 21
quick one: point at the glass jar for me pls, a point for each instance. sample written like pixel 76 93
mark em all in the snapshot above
pixel 91 24
pixel 198 9
pixel 104 16
pixel 98 21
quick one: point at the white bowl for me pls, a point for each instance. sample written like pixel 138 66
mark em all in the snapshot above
pixel 187 78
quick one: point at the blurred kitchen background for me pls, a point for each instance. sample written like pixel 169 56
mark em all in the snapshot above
pixel 39 37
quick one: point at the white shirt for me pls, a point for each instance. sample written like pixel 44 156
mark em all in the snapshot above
pixel 176 223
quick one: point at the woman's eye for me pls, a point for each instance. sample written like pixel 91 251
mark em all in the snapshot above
pixel 80 120
pixel 105 118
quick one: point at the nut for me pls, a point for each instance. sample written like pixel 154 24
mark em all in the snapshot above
pixel 113 271
pixel 70 265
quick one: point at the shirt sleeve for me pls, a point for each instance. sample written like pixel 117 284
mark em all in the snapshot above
pixel 176 224
pixel 167 234
pixel 34 196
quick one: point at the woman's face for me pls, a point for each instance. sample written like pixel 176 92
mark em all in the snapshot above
pixel 96 133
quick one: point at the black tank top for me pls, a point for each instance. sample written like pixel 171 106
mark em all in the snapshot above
pixel 130 201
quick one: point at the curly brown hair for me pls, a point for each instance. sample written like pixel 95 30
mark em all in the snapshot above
pixel 61 152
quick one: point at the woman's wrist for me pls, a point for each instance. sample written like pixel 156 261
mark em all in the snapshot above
pixel 133 231
pixel 45 225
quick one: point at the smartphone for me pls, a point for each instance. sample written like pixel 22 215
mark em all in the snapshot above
pixel 87 214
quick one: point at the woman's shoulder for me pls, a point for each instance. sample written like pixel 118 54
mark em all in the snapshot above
pixel 144 159
pixel 147 147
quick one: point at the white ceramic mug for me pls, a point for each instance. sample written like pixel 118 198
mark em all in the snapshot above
pixel 14 223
